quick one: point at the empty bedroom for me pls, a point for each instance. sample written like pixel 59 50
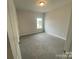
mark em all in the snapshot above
pixel 44 28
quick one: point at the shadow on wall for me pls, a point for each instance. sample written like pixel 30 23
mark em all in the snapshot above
pixel 9 52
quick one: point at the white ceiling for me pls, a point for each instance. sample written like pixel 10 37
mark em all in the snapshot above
pixel 31 5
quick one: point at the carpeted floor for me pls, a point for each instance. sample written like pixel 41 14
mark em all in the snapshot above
pixel 41 46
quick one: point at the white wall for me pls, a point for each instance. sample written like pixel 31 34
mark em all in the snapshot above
pixel 56 21
pixel 27 22
pixel 9 51
pixel 68 42
pixel 12 28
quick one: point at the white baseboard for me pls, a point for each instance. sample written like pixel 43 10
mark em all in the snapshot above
pixel 56 36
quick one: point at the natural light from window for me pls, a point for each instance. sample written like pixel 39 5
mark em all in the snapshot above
pixel 39 23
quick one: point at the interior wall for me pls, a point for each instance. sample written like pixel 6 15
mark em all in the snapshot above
pixel 27 22
pixel 9 51
pixel 68 42
pixel 12 29
pixel 56 21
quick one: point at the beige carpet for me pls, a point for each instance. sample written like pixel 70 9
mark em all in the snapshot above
pixel 41 46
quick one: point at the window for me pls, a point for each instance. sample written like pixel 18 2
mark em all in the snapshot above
pixel 39 23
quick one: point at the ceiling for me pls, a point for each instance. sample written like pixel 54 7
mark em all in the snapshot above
pixel 31 5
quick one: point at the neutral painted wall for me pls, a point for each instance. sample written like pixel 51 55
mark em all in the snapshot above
pixel 56 21
pixel 9 51
pixel 12 29
pixel 27 22
pixel 68 43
